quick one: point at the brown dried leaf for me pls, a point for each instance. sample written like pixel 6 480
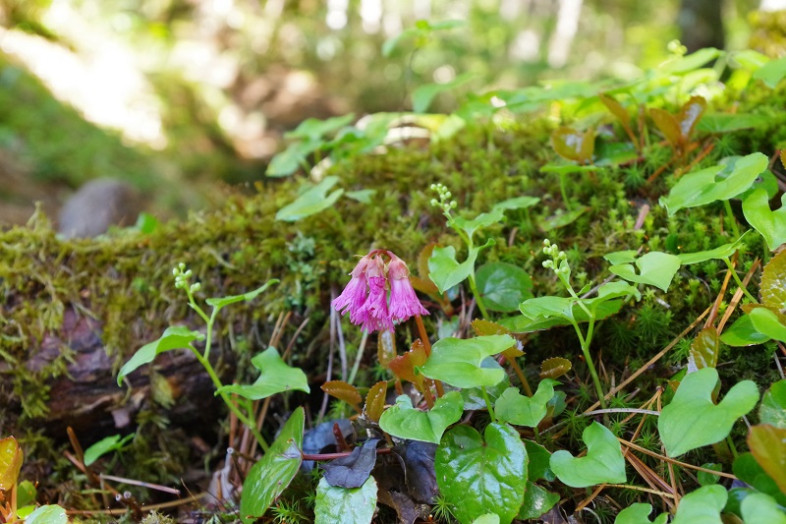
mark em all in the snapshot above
pixel 690 114
pixel 343 391
pixel 668 125
pixel 375 400
pixel 621 114
pixel 404 365
pixel 386 347
pixel 773 282
pixel 555 367
pixel 705 348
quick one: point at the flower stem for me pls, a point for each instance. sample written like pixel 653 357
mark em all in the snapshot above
pixel 488 403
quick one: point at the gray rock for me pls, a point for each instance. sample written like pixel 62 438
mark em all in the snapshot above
pixel 100 203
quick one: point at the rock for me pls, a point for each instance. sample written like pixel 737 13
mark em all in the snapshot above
pixel 100 203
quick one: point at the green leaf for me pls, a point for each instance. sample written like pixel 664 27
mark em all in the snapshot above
pixel 445 271
pixel 655 268
pixel 742 333
pixel 772 72
pixel 270 476
pixel 488 518
pixel 639 513
pixel 574 145
pixel 561 219
pixel 105 445
pixel 481 221
pixel 25 493
pixel 312 201
pixel 503 286
pixel 425 94
pixel 174 337
pixel 603 462
pixel 758 507
pixel 522 202
pixel 348 506
pixel 772 410
pixel 770 224
pixel 404 421
pixel 748 470
pixel 361 195
pixel 726 123
pixel 276 376
pixel 538 462
pixel 537 501
pixel 292 158
pixel 11 457
pixel 219 302
pixel 705 349
pixel 458 361
pixel 720 252
pixel 49 514
pixel 766 321
pixel 707 479
pixel 691 420
pixel 515 408
pixel 768 446
pixel 689 63
pixel 702 506
pixel 315 129
pixel 525 323
pixel 480 475
pixel 719 182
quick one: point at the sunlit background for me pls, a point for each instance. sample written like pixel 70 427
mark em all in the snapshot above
pixel 179 97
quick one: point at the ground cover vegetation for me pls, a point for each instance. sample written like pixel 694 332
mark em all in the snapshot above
pixel 563 301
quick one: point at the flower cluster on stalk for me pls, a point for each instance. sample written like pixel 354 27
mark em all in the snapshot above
pixel 379 295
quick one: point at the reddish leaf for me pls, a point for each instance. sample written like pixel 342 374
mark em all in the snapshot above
pixel 690 114
pixel 705 348
pixel 621 114
pixel 375 400
pixel 343 391
pixel 10 462
pixel 668 125
pixel 574 145
pixel 768 445
pixel 483 327
pixel 404 365
pixel 386 347
pixel 773 282
pixel 555 367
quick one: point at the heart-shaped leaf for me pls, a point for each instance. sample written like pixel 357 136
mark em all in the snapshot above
pixel 480 475
pixel 503 286
pixel 404 421
pixel 375 401
pixel 603 462
pixel 768 445
pixel 555 367
pixel 742 333
pixel 719 182
pixel 655 268
pixel 444 269
pixel 292 158
pixel 704 349
pixel 483 220
pixel 773 282
pixel 11 458
pixel 275 376
pixel 639 513
pixel 702 506
pixel 269 477
pixel 758 507
pixel 423 95
pixel 770 224
pixel 520 410
pixel 175 337
pixel 348 506
pixel 314 128
pixel 720 252
pixel 768 322
pixel 772 410
pixel 458 361
pixel 311 201
pixel 691 420
pixel 772 72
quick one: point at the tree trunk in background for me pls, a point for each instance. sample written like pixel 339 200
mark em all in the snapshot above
pixel 701 24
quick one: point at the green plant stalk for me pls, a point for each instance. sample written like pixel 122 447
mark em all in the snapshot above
pixel 203 359
pixel 563 192
pixel 736 278
pixel 489 406
pixel 732 220
pixel 471 278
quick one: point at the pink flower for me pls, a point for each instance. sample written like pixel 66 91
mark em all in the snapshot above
pixel 403 301
pixel 366 297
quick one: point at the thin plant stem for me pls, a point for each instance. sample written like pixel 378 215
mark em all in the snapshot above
pixel 564 193
pixel 736 278
pixel 732 220
pixel 356 365
pixel 488 403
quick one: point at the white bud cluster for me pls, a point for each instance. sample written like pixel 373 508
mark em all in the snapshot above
pixel 182 277
pixel 443 199
pixel 558 260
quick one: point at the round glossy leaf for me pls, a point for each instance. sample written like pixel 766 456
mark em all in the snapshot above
pixel 692 420
pixel 759 507
pixel 269 477
pixel 503 286
pixel 773 282
pixel 742 333
pixel 49 514
pixel 480 475
pixel 772 410
pixel 603 462
pixel 458 362
pixel 537 501
pixel 348 506
pixel 639 513
pixel 751 473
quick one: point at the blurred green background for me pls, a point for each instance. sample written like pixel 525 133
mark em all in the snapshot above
pixel 187 100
